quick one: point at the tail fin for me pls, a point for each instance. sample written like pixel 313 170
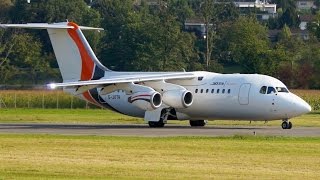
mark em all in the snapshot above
pixel 75 57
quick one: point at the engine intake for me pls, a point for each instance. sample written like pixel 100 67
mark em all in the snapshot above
pixel 146 100
pixel 178 98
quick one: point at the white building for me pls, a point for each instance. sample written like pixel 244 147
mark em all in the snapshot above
pixel 267 10
pixel 305 4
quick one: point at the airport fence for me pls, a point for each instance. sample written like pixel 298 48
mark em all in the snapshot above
pixel 45 99
pixel 48 99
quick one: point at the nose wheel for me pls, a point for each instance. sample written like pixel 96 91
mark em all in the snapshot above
pixel 286 124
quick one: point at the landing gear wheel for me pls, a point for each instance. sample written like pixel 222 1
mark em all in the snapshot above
pixel 153 124
pixel 199 123
pixel 290 125
pixel 286 125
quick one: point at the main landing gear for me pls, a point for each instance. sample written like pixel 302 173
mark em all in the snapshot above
pixel 197 123
pixel 162 119
pixel 286 124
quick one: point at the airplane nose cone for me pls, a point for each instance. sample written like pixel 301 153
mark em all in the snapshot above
pixel 306 108
pixel 302 107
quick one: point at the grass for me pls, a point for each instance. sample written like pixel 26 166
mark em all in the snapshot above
pixel 91 157
pixel 101 116
pixel 97 116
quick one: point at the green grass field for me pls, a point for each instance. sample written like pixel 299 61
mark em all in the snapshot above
pixel 100 116
pixel 92 157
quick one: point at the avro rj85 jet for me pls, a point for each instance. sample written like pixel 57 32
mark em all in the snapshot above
pixel 162 96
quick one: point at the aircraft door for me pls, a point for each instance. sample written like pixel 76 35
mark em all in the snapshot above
pixel 244 94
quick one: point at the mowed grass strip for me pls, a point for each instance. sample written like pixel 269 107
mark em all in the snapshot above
pixel 92 157
pixel 72 116
pixel 104 116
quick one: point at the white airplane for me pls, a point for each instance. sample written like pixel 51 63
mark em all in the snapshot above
pixel 161 96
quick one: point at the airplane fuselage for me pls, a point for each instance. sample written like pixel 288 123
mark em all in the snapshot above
pixel 221 96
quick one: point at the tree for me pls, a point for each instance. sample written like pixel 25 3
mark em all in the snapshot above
pixel 285 34
pixel 143 38
pixel 23 53
pixel 314 26
pixel 208 12
pixel 290 17
pixel 246 43
pixel 5 6
pixel 180 9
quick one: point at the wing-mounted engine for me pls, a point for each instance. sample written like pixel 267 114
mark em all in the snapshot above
pixel 143 97
pixel 173 95
pixel 146 100
pixel 178 99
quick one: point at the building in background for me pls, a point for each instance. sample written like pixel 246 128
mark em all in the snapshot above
pixel 305 4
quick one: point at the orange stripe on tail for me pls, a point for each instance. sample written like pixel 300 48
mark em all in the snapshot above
pixel 87 62
pixel 89 98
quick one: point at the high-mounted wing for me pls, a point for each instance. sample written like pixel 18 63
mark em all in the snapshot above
pixel 126 79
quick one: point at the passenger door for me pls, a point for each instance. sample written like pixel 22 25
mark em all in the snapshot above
pixel 244 94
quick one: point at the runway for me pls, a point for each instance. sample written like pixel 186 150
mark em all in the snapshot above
pixel 144 130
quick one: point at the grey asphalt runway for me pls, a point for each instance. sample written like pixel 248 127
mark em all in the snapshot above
pixel 144 130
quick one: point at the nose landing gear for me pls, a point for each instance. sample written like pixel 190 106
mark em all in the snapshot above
pixel 286 124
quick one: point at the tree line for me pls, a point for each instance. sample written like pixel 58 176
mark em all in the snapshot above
pixel 143 37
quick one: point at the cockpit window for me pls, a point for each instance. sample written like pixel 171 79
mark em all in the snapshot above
pixel 263 89
pixel 271 90
pixel 282 89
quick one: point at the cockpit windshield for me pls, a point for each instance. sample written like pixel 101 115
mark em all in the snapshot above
pixel 263 89
pixel 271 90
pixel 282 89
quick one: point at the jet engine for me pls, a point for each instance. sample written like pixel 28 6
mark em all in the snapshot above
pixel 178 98
pixel 148 101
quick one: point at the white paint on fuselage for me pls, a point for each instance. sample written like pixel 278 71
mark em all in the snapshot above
pixel 227 105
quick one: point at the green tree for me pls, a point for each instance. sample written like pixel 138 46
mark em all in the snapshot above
pixel 246 43
pixel 143 38
pixel 21 57
pixel 285 34
pixel 5 6
pixel 314 26
pixel 290 17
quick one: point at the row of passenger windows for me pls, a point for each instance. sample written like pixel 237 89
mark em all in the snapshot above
pixel 217 91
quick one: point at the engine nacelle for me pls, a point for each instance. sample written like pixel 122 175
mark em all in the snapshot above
pixel 178 98
pixel 146 100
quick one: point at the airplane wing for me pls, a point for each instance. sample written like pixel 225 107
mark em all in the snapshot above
pixel 126 79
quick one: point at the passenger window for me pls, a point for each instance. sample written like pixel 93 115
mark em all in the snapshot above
pixel 201 91
pixel 196 90
pixel 212 90
pixel 263 90
pixel 207 90
pixel 218 91
pixel 229 90
pixel 223 90
pixel 271 90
